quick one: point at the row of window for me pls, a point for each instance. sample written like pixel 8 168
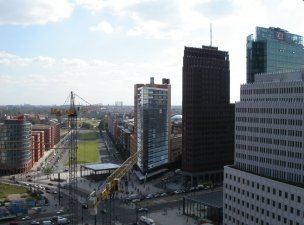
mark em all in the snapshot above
pixel 265 188
pixel 280 142
pixel 263 130
pixel 251 99
pixel 283 111
pixel 281 90
pixel 280 121
pixel 276 152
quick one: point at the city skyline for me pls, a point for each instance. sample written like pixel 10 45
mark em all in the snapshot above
pixel 48 48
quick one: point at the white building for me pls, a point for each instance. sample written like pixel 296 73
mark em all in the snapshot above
pixel 265 184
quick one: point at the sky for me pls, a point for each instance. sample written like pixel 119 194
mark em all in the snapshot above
pixel 100 48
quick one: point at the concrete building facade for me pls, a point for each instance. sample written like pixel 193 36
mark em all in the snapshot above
pixel 265 184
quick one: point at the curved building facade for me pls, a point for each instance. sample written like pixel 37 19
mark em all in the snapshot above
pixel 15 146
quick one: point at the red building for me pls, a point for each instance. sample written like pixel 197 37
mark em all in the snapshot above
pixel 48 137
pixel 36 140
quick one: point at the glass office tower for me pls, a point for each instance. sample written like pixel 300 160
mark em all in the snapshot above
pixel 15 146
pixel 153 112
pixel 273 49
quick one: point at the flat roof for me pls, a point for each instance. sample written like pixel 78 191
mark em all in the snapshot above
pixel 101 166
pixel 212 199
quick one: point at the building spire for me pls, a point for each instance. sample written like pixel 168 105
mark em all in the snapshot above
pixel 210 34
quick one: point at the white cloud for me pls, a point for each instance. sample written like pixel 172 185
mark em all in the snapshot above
pixel 154 29
pixel 10 59
pixel 27 12
pixel 117 7
pixel 103 26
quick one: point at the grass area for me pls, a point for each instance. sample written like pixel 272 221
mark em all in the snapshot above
pixel 6 189
pixel 94 122
pixel 88 135
pixel 87 152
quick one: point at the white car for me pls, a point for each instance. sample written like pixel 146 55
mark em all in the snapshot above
pixel 59 212
pixel 26 218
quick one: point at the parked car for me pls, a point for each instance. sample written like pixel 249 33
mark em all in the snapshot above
pixel 47 222
pixel 59 212
pixel 104 211
pixel 63 221
pixel 26 218
pixel 142 210
pixel 34 222
pixel 163 194
pixel 136 200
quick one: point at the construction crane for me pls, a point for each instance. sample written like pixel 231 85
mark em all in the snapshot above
pixel 71 113
pixel 110 185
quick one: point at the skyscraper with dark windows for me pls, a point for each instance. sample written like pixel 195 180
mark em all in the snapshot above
pixel 208 116
pixel 273 49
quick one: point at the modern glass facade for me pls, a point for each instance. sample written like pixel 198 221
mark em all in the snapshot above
pixel 15 146
pixel 153 121
pixel 273 49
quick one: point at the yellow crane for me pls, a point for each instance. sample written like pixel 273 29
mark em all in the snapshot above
pixel 110 185
pixel 72 114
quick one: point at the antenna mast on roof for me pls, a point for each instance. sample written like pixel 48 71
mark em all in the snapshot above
pixel 210 34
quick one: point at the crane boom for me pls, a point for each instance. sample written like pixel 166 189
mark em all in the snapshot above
pixel 110 185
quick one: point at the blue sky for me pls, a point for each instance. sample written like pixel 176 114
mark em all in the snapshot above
pixel 101 48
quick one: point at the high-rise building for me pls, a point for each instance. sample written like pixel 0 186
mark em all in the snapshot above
pixel 15 146
pixel 208 116
pixel 152 113
pixel 265 184
pixel 273 49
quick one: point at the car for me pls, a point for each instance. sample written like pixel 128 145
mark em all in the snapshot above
pixel 142 210
pixel 177 192
pixel 149 196
pixel 29 180
pixel 59 212
pixel 63 220
pixel 47 222
pixel 136 200
pixel 163 194
pixel 104 211
pixel 50 184
pixel 192 189
pixel 26 218
pixel 34 222
pixel 55 218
